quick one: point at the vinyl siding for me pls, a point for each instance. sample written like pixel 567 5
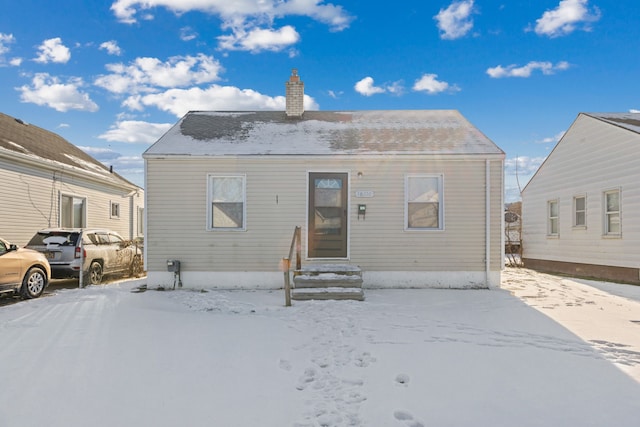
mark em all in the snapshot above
pixel 592 157
pixel 277 201
pixel 30 201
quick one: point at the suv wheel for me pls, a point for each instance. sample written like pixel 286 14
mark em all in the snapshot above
pixel 95 273
pixel 33 283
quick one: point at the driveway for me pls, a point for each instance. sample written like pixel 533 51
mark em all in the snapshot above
pixel 606 315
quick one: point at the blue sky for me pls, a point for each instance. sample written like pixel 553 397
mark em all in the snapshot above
pixel 113 76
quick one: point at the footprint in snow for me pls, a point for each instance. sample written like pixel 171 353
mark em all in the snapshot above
pixel 402 379
pixel 308 377
pixel 285 364
pixel 407 418
pixel 364 360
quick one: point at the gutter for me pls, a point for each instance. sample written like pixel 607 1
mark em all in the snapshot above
pixel 41 163
pixel 487 210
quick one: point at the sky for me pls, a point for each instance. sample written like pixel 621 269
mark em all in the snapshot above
pixel 106 356
pixel 112 76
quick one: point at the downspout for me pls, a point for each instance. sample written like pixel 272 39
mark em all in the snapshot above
pixel 131 218
pixel 487 235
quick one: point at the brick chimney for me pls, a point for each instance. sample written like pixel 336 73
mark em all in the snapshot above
pixel 295 95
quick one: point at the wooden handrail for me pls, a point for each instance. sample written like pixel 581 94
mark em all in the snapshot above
pixel 286 263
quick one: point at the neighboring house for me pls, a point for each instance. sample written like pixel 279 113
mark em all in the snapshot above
pixel 581 210
pixel 45 181
pixel 414 198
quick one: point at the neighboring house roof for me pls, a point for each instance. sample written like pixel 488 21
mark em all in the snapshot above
pixel 214 133
pixel 31 142
pixel 630 121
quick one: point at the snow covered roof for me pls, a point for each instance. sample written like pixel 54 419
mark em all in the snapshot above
pixel 630 121
pixel 32 142
pixel 215 133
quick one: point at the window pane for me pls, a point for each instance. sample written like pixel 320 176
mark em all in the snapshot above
pixel 613 202
pixel 226 215
pixel 553 209
pixel 423 189
pixel 580 218
pixel 78 213
pixel 553 226
pixel 423 215
pixel 579 203
pixel 66 211
pixel 613 223
pixel 227 189
pixel 328 183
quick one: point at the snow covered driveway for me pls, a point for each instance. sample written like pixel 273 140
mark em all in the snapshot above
pixel 606 315
pixel 104 356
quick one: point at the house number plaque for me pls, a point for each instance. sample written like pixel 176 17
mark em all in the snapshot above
pixel 364 193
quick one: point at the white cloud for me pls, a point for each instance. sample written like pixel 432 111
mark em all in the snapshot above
pixel 148 74
pixel 546 67
pixel 566 18
pixel 111 47
pixel 522 165
pixel 5 40
pixel 234 12
pixel 49 91
pixel 52 50
pixel 430 84
pixel 187 34
pixel 250 21
pixel 180 101
pixel 366 87
pixel 634 111
pixel 552 139
pixel 256 40
pixel 132 132
pixel 455 21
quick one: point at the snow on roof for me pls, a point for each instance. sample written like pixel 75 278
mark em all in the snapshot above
pixel 38 144
pixel 213 133
pixel 630 121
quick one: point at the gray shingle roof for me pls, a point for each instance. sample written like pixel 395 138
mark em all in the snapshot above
pixel 40 144
pixel 629 121
pixel 211 133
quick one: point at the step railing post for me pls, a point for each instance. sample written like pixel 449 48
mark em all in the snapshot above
pixel 287 282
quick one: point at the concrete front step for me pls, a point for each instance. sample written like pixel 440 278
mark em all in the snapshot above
pixel 328 293
pixel 328 282
pixel 324 280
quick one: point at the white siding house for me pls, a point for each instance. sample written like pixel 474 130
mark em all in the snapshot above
pixel 581 210
pixel 414 198
pixel 49 182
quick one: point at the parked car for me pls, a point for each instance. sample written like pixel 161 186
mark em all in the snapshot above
pixel 22 271
pixel 101 252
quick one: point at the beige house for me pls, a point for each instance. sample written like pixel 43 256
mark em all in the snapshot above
pixel 581 210
pixel 414 198
pixel 49 182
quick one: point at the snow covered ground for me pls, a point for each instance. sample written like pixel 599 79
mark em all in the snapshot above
pixel 104 356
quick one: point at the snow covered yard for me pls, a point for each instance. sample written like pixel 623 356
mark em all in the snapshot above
pixel 104 356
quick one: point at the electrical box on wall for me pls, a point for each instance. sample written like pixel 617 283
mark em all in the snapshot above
pixel 362 211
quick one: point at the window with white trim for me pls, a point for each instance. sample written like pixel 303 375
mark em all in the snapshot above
pixel 423 202
pixel 553 211
pixel 226 200
pixel 612 212
pixel 73 211
pixel 115 210
pixel 580 211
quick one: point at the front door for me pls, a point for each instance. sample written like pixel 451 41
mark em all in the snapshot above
pixel 327 235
